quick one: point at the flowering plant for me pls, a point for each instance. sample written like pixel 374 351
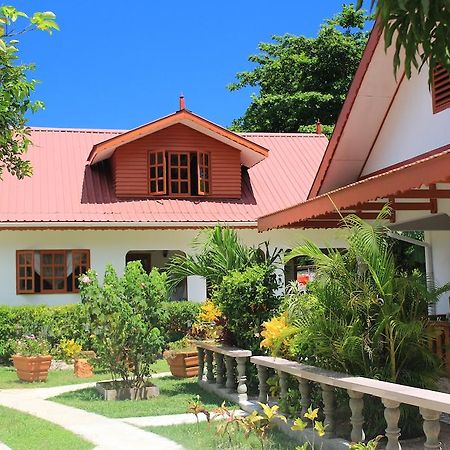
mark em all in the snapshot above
pixel 208 322
pixel 276 333
pixel 30 345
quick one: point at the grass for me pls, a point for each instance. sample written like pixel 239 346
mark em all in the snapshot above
pixel 9 380
pixel 175 395
pixel 22 431
pixel 204 436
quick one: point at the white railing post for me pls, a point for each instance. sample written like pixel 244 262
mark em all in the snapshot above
pixel 220 369
pixel 356 403
pixel 304 387
pixel 242 379
pixel 209 367
pixel 431 428
pixel 201 363
pixel 262 387
pixel 392 415
pixel 283 384
pixel 229 364
pixel 328 397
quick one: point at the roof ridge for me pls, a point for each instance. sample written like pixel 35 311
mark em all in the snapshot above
pixel 281 134
pixel 78 130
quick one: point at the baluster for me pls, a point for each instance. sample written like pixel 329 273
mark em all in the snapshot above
pixel 229 364
pixel 283 384
pixel 201 363
pixel 304 387
pixel 328 397
pixel 356 403
pixel 220 369
pixel 262 377
pixel 431 428
pixel 392 415
pixel 209 367
pixel 242 380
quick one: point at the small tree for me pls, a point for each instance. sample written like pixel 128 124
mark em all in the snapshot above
pixel 122 314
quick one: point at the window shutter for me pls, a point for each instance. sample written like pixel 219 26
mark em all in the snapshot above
pixel 25 272
pixel 157 173
pixel 204 173
pixel 80 264
pixel 440 89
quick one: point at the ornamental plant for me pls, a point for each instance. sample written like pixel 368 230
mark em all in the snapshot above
pixel 30 345
pixel 122 314
pixel 207 325
pixel 277 333
pixel 67 350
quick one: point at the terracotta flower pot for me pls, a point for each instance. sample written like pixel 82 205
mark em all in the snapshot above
pixel 184 364
pixel 32 368
pixel 82 368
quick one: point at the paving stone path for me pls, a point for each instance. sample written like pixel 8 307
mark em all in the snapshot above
pixel 103 432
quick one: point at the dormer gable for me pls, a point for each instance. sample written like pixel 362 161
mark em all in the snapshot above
pixel 181 155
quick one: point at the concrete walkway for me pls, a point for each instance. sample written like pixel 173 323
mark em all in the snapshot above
pixel 103 432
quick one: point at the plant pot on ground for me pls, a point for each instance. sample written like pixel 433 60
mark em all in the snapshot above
pixel 82 366
pixel 182 358
pixel 31 358
pixel 122 390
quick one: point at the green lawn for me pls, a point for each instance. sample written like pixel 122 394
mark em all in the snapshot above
pixel 175 395
pixel 21 431
pixel 205 437
pixel 9 380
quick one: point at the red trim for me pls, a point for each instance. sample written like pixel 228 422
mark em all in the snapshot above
pixel 346 109
pixel 429 170
pixel 406 161
pixel 20 253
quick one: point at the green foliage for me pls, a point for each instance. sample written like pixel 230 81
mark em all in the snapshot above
pixel 177 319
pixel 327 130
pixel 67 350
pixel 300 79
pixel 219 251
pixel 418 29
pixel 247 299
pixel 55 323
pixel 30 345
pixel 371 318
pixel 123 315
pixel 16 89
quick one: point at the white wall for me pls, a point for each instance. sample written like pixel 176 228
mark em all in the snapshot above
pixel 111 246
pixel 410 128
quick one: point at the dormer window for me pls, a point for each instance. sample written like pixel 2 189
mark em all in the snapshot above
pixel 179 173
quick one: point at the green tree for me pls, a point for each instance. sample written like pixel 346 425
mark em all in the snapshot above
pixel 16 88
pixel 302 79
pixel 419 28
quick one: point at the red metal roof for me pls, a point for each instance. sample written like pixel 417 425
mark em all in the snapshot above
pixel 64 188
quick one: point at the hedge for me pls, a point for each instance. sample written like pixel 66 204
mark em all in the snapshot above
pixel 68 321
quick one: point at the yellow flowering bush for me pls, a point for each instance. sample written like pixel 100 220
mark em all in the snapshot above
pixel 207 325
pixel 276 333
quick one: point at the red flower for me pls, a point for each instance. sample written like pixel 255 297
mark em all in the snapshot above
pixel 303 279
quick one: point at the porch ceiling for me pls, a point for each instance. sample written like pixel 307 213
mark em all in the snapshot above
pixel 438 222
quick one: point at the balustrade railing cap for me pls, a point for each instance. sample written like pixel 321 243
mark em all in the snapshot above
pixel 223 349
pixel 423 398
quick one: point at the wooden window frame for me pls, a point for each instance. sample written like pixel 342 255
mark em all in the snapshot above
pixel 157 178
pixel 441 75
pixel 88 265
pixel 179 180
pixel 201 165
pixel 19 253
pixel 53 277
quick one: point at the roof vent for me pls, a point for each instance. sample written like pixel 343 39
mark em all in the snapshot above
pixel 440 89
pixel 318 127
pixel 182 103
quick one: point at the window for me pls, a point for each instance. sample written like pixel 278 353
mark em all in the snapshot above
pixel 179 173
pixel 50 271
pixel 440 89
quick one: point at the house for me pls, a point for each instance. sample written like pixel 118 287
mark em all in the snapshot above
pixel 112 196
pixel 391 144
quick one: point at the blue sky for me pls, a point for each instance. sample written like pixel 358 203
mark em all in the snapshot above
pixel 120 64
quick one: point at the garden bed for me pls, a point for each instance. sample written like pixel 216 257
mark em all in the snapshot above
pixel 21 431
pixel 175 396
pixel 119 390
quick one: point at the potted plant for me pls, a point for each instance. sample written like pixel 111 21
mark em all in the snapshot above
pixel 31 358
pixel 182 358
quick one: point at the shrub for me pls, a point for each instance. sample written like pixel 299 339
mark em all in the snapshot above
pixel 122 317
pixel 55 323
pixel 30 345
pixel 177 318
pixel 247 299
